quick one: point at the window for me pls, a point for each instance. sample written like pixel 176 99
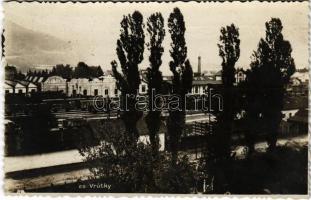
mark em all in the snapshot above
pixel 196 89
pixel 74 92
pixel 20 91
pixel 106 91
pixel 7 91
pixel 32 90
pixel 95 92
pixel 115 91
pixel 143 88
pixel 85 92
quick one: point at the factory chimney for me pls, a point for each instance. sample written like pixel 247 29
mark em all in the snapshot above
pixel 199 65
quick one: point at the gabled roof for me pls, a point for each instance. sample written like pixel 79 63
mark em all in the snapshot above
pixel 24 83
pixel 58 77
pixel 32 85
pixel 108 72
pixel 19 85
pixel 31 78
pixel 14 83
pixel 27 77
pixel 40 79
pixel 218 73
pixel 36 79
pixel 11 83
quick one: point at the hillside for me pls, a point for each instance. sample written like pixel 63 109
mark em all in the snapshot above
pixel 26 48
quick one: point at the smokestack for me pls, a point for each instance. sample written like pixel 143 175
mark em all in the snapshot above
pixel 199 65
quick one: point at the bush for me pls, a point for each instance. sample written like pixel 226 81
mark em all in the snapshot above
pixel 132 167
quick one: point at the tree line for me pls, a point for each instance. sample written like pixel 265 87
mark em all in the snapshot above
pixel 260 96
pixel 11 73
pixel 82 70
pixel 142 168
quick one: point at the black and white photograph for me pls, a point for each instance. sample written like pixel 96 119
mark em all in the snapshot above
pixel 199 98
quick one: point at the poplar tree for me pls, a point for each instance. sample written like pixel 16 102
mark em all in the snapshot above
pixel 130 49
pixel 219 146
pixel 155 28
pixel 181 81
pixel 229 51
pixel 271 69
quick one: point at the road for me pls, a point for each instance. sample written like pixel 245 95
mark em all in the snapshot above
pixel 42 181
pixel 19 163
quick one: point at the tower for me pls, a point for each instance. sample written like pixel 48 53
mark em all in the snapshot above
pixel 199 65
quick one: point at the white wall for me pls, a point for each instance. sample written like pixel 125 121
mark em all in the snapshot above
pixel 8 88
pixel 145 139
pixel 19 87
pixel 54 83
pixel 101 85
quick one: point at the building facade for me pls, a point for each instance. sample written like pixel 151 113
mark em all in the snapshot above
pixel 19 87
pixel 8 87
pixel 103 86
pixel 30 87
pixel 201 85
pixel 143 88
pixel 54 83
pixel 240 75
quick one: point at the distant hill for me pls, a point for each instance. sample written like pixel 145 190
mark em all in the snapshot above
pixel 26 48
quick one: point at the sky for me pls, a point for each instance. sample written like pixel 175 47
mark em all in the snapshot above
pixel 92 29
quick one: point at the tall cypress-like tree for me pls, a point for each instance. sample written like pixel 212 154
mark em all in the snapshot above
pixel 271 69
pixel 181 81
pixel 218 153
pixel 155 28
pixel 229 51
pixel 130 49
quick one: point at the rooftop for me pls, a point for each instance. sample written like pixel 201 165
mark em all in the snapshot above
pixel 301 116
